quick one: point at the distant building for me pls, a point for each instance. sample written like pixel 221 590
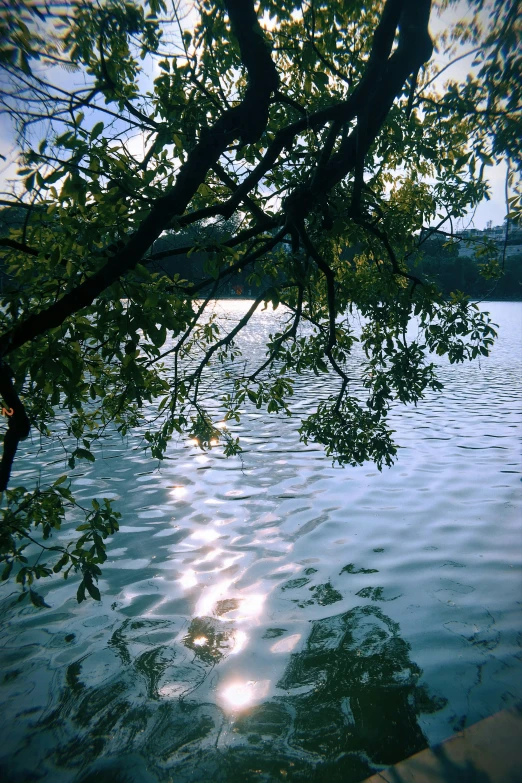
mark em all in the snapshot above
pixel 472 238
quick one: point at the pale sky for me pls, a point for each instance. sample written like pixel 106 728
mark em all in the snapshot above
pixel 495 209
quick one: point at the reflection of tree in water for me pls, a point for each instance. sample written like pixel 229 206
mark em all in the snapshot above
pixel 209 640
pixel 352 697
pixel 351 700
pixel 362 689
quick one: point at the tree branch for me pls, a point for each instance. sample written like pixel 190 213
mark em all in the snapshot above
pixel 247 201
pixel 18 424
pixel 21 246
pixel 289 334
pixel 330 284
pixel 245 121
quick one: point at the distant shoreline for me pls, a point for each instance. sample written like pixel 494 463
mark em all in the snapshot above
pixel 251 299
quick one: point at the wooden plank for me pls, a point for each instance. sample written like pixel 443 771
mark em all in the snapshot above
pixel 488 752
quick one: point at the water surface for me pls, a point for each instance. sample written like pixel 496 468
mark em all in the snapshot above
pixel 273 617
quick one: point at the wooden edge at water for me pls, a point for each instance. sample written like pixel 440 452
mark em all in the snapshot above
pixel 487 752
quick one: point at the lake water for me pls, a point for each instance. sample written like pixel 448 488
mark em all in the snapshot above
pixel 274 617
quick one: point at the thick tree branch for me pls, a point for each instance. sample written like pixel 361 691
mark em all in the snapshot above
pixel 383 82
pixel 18 424
pixel 21 246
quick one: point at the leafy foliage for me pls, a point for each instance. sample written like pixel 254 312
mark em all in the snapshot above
pixel 27 514
pixel 303 149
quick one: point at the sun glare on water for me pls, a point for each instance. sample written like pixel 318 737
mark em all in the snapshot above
pixel 239 695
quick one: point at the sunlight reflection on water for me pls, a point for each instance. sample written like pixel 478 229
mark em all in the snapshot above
pixel 239 695
pixel 178 492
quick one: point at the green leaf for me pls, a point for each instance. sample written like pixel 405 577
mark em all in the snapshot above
pixel 54 177
pixel 321 365
pixel 84 454
pixel 24 63
pixel 320 79
pixel 61 563
pixel 80 595
pixel 93 591
pixel 143 271
pixel 486 159
pixel 37 600
pixel 97 129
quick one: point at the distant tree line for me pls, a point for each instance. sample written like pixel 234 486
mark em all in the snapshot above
pixel 188 256
pixel 441 263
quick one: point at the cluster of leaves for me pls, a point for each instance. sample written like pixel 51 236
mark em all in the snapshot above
pixel 349 433
pixel 301 147
pixel 41 512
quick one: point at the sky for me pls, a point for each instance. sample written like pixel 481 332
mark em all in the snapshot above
pixel 492 210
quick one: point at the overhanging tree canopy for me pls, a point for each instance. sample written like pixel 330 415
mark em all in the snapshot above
pixel 306 129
